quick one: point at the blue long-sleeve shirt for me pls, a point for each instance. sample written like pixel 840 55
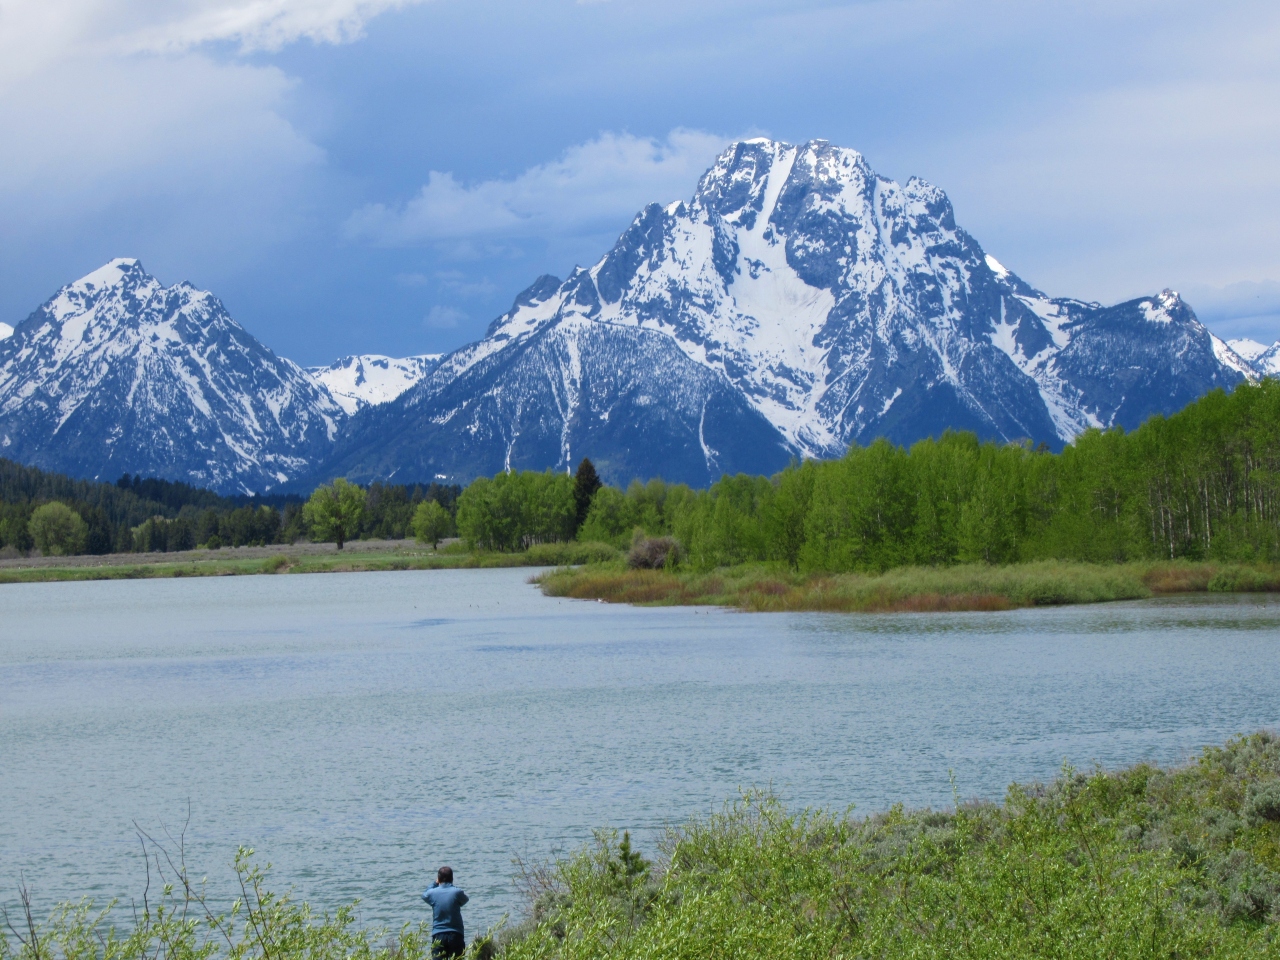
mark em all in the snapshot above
pixel 446 908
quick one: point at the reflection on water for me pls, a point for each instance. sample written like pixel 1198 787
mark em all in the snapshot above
pixel 359 730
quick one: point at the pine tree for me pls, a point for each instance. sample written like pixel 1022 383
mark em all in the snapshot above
pixel 585 485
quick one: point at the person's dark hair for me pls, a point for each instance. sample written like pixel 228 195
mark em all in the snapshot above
pixel 444 875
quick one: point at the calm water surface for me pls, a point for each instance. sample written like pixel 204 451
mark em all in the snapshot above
pixel 359 730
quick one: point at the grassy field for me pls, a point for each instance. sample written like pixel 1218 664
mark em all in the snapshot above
pixel 761 587
pixel 1145 863
pixel 304 558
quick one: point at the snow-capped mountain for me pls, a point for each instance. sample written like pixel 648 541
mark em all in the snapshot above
pixel 1263 360
pixel 370 379
pixel 117 373
pixel 798 303
pixel 6 331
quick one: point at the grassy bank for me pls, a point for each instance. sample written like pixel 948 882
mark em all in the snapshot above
pixel 763 587
pixel 1144 863
pixel 286 560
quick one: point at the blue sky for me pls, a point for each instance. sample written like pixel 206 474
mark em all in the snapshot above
pixel 385 175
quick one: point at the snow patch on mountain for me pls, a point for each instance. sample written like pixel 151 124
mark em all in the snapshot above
pixel 1232 359
pixel 370 379
pixel 6 331
pixel 1247 349
pixel 1263 360
pixel 837 304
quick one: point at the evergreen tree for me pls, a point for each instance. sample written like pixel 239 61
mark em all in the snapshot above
pixel 585 484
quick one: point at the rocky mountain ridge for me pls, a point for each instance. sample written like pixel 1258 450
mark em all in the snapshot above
pixel 118 373
pixel 796 304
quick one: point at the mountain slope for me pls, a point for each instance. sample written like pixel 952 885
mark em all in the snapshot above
pixel 1264 360
pixel 836 305
pixel 369 379
pixel 117 373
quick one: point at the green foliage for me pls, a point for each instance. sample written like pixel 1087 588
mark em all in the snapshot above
pixel 1140 864
pixel 432 523
pixel 585 484
pixel 57 530
pixel 564 554
pixel 334 511
pixel 513 511
pixel 1203 484
pixel 1143 863
pixel 180 924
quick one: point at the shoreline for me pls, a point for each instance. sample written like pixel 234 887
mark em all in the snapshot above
pixel 764 588
pixel 1147 860
pixel 359 556
pixel 588 571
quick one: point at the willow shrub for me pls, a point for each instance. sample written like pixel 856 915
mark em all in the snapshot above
pixel 1140 864
pixel 178 924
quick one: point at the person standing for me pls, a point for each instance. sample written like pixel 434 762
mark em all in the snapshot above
pixel 447 939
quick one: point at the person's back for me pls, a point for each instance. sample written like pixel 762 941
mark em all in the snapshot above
pixel 447 935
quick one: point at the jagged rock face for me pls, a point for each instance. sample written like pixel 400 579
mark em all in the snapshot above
pixel 367 380
pixel 809 304
pixel 117 373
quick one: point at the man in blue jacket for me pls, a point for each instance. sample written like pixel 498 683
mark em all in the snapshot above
pixel 446 901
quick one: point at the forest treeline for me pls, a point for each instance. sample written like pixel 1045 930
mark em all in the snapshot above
pixel 1201 484
pixel 137 514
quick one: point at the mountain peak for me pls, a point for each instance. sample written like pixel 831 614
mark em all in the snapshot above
pixel 111 274
pixel 116 373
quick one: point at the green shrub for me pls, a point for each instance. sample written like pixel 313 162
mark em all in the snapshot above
pixel 432 523
pixel 1122 866
pixel 567 554
pixel 1244 580
pixel 276 564
pixel 57 530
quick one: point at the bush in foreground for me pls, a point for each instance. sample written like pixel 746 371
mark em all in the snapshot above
pixel 1143 863
pixel 1149 863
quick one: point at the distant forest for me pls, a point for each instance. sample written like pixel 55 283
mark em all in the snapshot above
pixel 1203 483
pixel 137 514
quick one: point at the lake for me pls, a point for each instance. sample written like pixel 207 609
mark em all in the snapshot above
pixel 359 730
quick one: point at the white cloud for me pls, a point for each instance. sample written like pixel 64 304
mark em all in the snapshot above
pixel 1166 179
pixel 255 24
pixel 36 33
pixel 444 318
pixel 116 125
pixel 593 183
